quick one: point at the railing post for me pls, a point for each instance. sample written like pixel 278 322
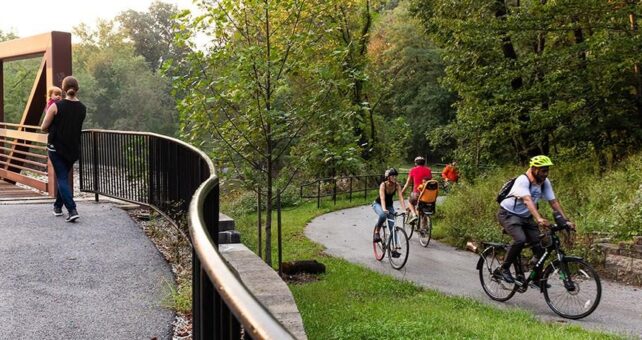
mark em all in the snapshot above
pixel 319 195
pixel 258 208
pixel 278 225
pixel 365 187
pixel 95 162
pixel 334 191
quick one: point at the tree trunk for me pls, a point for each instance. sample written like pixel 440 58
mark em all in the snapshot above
pixel 268 132
pixel 636 70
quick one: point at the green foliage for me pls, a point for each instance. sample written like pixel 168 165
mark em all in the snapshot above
pixel 18 81
pixel 602 203
pixel 406 69
pixel 534 76
pixel 118 86
pixel 152 33
pixel 179 299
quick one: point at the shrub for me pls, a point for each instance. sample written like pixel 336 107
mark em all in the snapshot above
pixel 599 203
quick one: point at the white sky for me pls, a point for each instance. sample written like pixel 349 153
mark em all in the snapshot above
pixel 31 17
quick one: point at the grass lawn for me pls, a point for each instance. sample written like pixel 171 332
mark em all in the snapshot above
pixel 352 302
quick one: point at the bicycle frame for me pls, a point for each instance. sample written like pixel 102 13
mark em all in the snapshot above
pixel 392 241
pixel 554 247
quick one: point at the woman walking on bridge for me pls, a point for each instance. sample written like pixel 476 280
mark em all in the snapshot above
pixel 63 121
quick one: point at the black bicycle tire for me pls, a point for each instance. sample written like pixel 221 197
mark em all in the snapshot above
pixel 405 257
pixel 593 274
pixel 483 270
pixel 424 239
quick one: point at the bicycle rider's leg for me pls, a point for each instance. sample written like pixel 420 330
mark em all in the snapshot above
pixel 412 204
pixel 532 236
pixel 513 225
pixel 382 216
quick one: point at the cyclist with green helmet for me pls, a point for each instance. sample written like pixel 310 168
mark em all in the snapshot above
pixel 518 212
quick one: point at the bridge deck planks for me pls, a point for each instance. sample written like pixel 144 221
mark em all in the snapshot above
pixel 10 191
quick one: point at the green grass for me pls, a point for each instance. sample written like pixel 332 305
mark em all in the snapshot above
pixel 352 302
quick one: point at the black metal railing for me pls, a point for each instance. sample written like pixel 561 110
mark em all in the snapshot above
pixel 179 181
pixel 351 186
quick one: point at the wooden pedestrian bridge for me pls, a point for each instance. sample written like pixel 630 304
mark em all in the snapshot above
pixel 170 176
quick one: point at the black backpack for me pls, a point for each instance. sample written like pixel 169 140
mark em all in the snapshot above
pixel 503 192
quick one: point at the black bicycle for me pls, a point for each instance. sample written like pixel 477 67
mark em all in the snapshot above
pixel 423 224
pixel 571 287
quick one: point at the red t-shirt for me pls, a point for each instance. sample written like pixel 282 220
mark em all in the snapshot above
pixel 418 173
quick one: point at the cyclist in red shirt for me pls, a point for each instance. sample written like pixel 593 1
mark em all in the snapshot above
pixel 416 175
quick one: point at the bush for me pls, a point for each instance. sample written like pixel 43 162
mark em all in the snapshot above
pixel 599 203
pixel 244 202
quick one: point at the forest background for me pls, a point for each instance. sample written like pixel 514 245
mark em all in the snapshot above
pixel 280 91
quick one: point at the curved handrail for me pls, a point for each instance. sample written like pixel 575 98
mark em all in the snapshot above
pixel 255 318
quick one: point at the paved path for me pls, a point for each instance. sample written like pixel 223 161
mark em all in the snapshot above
pixel 99 278
pixel 348 234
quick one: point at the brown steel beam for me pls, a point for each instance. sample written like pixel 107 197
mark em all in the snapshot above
pixel 55 50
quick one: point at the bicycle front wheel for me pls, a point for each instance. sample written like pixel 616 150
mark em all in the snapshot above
pixel 379 247
pixel 425 230
pixel 399 248
pixel 575 289
pixel 489 262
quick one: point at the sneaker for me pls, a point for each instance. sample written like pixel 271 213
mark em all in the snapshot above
pixel 396 254
pixel 506 275
pixel 73 216
pixel 57 211
pixel 413 219
pixel 376 238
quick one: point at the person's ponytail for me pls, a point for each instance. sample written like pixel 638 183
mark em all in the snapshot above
pixel 70 86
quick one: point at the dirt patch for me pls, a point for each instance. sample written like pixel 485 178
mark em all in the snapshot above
pixel 301 278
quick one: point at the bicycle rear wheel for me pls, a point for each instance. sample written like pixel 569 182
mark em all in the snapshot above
pixel 407 227
pixel 425 230
pixel 379 247
pixel 399 248
pixel 489 262
pixel 575 289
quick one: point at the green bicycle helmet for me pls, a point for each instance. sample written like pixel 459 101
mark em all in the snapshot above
pixel 540 161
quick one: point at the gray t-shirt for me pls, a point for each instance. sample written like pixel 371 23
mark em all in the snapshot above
pixel 514 203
